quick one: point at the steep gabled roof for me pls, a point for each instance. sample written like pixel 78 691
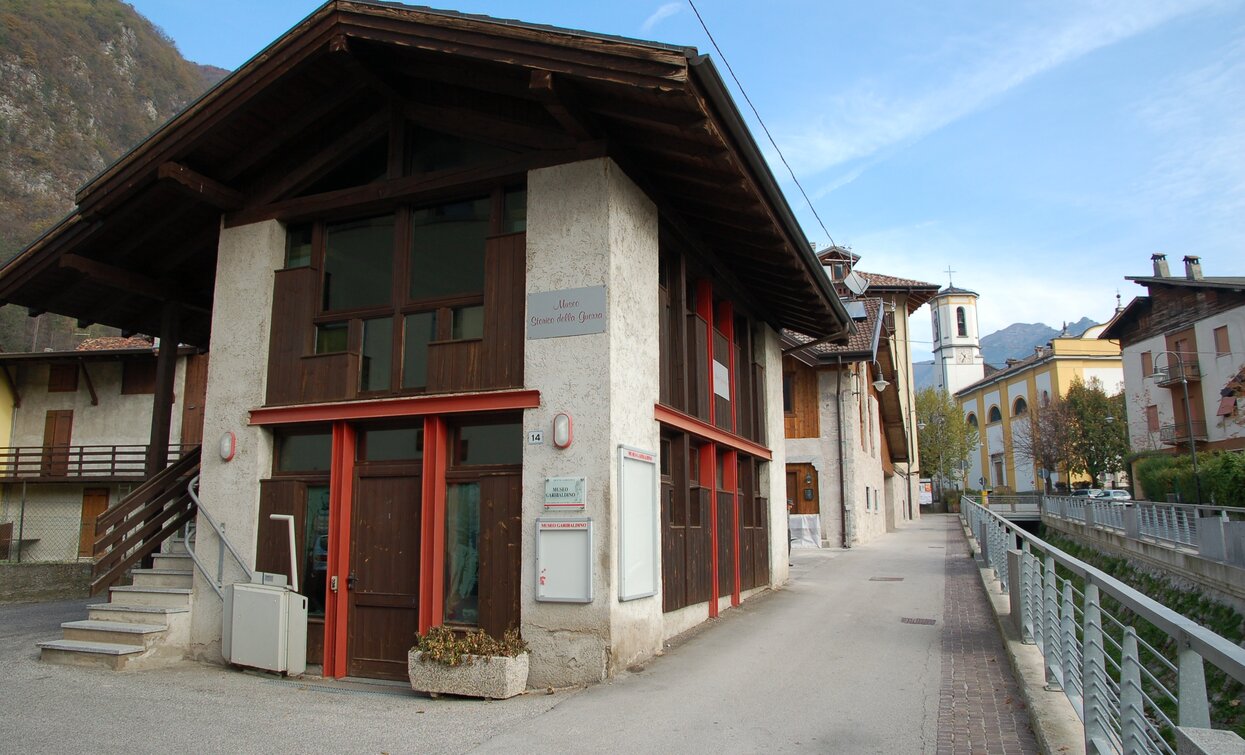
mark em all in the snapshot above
pixel 918 292
pixel 145 231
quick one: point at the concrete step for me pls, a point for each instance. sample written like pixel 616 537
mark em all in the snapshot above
pixel 172 561
pixel 168 597
pixel 161 577
pixel 137 614
pixel 108 655
pixel 113 632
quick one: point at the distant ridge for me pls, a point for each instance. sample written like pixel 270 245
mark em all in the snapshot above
pixel 81 83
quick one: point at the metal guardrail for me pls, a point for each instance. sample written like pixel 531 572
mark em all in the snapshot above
pixel 1213 532
pixel 217 583
pixel 1173 435
pixel 1123 688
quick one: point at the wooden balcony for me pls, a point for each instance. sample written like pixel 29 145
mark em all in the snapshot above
pixel 1178 434
pixel 79 463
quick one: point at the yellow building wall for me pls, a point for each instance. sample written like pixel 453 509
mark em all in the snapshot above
pixel 1062 371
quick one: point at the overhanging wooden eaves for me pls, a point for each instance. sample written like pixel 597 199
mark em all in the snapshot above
pixel 662 112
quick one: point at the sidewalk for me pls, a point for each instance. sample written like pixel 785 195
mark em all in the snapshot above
pixel 826 665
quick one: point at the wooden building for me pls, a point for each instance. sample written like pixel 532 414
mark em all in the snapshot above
pixel 414 239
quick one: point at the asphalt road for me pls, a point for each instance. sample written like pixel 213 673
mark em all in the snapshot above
pixel 825 665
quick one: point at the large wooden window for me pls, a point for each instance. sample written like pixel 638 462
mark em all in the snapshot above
pixel 426 298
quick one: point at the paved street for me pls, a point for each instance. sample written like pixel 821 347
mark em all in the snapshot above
pixel 826 665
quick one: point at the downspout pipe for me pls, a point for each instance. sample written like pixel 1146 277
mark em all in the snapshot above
pixel 838 392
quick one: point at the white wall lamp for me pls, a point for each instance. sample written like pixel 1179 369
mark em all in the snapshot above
pixel 563 430
pixel 228 446
pixel 881 383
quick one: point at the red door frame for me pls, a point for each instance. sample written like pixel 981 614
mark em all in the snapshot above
pixel 433 409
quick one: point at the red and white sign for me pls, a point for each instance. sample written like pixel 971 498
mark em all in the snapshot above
pixel 580 525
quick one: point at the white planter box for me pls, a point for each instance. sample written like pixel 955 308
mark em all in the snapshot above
pixel 492 677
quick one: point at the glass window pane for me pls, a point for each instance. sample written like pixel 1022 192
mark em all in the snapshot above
pixel 332 337
pixel 298 245
pixel 489 444
pixel 314 569
pixel 421 328
pixel 447 249
pixel 393 444
pixel 462 553
pixel 358 263
pixel 468 323
pixel 304 452
pixel 515 218
pixel 377 354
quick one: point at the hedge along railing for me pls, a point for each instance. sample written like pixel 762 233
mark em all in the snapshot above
pixel 1120 688
pixel 1215 532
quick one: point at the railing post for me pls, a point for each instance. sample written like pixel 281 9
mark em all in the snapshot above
pixel 1193 708
pixel 220 556
pixel 1210 541
pixel 1132 712
pixel 1015 590
pixel 1094 694
pixel 1090 519
pixel 1132 527
pixel 1051 636
pixel 1067 636
pixel 1029 628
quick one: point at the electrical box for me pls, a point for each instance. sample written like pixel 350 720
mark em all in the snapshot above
pixel 265 626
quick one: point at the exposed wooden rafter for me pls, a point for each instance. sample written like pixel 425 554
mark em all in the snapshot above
pixel 126 280
pixel 201 187
pixel 561 103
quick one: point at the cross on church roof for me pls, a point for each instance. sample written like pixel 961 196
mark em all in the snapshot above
pixel 950 283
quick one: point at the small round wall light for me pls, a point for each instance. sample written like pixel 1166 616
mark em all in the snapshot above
pixel 228 445
pixel 563 430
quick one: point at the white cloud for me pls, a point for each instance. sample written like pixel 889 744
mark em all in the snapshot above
pixel 875 115
pixel 662 13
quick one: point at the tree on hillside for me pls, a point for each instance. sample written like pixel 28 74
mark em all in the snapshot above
pixel 1046 439
pixel 1100 442
pixel 944 438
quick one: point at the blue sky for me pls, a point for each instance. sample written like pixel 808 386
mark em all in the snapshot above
pixel 1043 150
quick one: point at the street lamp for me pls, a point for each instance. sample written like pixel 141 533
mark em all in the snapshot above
pixel 1188 414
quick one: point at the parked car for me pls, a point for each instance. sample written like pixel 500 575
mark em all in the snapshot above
pixel 1088 493
pixel 1118 496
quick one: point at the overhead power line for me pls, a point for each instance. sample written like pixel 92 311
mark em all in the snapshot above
pixel 760 120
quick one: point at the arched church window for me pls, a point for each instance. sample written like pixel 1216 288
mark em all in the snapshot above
pixel 995 415
pixel 961 323
pixel 1020 407
pixel 972 420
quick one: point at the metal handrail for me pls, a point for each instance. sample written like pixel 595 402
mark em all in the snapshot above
pixel 217 583
pixel 1176 525
pixel 1067 625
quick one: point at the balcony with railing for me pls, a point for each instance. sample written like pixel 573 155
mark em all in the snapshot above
pixel 125 463
pixel 1179 433
pixel 1172 374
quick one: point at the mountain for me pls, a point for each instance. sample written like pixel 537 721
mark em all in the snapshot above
pixel 1016 341
pixel 81 82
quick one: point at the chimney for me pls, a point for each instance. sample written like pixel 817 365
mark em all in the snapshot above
pixel 1192 268
pixel 1160 265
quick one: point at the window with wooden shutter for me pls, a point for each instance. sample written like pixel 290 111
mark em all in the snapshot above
pixel 63 378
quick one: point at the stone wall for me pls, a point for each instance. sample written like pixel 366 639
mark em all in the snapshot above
pixel 27 583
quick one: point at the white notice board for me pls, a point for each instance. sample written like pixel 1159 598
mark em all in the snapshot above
pixel 638 515
pixel 564 560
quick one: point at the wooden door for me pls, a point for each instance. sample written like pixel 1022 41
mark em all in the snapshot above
pixel 94 503
pixel 383 583
pixel 194 393
pixel 802 478
pixel 57 429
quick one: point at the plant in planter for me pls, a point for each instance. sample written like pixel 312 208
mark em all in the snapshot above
pixel 472 664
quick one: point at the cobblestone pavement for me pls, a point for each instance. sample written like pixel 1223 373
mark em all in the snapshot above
pixel 980 707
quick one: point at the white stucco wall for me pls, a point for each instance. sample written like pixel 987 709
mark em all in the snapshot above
pixel 237 376
pixel 116 420
pixel 774 479
pixel 588 225
pixel 1218 370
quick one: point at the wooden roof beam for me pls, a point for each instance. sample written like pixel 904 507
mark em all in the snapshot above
pixel 562 104
pixel 472 123
pixel 308 171
pixel 126 280
pixel 201 187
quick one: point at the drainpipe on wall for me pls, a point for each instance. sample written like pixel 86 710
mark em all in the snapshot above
pixel 838 393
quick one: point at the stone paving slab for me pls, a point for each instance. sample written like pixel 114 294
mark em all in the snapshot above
pixel 980 708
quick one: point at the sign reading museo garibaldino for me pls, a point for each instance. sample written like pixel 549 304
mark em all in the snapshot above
pixel 569 312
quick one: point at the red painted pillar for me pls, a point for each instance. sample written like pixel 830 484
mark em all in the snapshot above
pixel 341 494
